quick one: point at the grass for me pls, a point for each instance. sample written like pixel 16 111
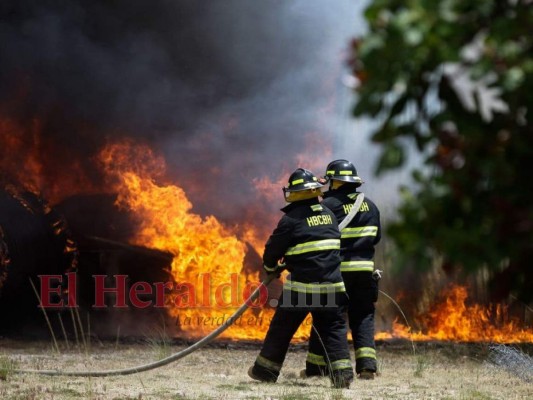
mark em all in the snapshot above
pixel 422 363
pixel 6 367
pixel 219 373
pixel 160 342
pixel 477 395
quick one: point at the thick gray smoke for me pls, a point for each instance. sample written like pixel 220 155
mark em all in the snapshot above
pixel 228 90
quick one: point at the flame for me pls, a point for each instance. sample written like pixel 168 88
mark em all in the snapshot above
pixel 208 263
pixel 454 320
pixel 29 160
pixel 18 141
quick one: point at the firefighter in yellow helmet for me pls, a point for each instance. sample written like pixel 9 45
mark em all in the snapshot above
pixel 358 240
pixel 307 239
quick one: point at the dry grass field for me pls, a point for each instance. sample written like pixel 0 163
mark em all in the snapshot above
pixel 435 371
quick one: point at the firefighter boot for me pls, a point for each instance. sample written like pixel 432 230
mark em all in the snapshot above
pixel 313 370
pixel 366 375
pixel 262 374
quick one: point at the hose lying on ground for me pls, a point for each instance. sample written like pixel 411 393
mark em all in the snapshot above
pixel 173 357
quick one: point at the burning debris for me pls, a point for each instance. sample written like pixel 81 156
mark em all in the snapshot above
pixel 34 239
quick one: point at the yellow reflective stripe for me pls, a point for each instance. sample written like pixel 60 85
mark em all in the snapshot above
pixel 359 232
pixel 317 245
pixel 315 359
pixel 314 287
pixel 270 269
pixel 330 172
pixel 264 362
pixel 350 266
pixel 341 364
pixel 365 352
pixel 316 207
pixel 345 172
pixel 297 181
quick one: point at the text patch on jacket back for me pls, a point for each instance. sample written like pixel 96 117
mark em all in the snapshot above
pixel 348 207
pixel 319 220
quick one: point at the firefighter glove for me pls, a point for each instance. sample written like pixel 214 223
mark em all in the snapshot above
pixel 376 275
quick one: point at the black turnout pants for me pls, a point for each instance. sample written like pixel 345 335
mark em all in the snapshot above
pixel 330 325
pixel 362 290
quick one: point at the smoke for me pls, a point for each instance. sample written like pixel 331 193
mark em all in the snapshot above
pixel 228 91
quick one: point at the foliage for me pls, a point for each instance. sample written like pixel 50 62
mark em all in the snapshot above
pixel 454 79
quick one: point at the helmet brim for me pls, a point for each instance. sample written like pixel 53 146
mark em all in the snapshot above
pixel 347 178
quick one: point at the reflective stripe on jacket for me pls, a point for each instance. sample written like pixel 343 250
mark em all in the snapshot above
pixel 307 237
pixel 362 233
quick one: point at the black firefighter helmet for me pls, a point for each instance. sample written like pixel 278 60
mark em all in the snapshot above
pixel 344 171
pixel 303 184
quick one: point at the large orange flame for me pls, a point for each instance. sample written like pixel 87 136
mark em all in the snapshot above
pixel 208 263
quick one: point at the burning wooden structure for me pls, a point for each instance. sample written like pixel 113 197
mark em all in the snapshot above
pixel 34 239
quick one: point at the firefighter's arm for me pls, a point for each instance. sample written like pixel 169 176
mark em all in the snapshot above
pixel 277 270
pixel 276 246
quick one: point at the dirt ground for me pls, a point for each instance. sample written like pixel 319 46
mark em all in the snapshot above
pixel 434 371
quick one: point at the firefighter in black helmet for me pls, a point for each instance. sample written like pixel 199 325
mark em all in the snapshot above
pixel 358 240
pixel 307 239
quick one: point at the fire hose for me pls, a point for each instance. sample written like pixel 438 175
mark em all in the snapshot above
pixel 176 356
pixel 173 357
pixel 199 344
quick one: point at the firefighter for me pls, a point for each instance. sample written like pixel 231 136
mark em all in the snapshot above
pixel 358 240
pixel 306 242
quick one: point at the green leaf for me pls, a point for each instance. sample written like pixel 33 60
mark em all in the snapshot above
pixel 393 156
